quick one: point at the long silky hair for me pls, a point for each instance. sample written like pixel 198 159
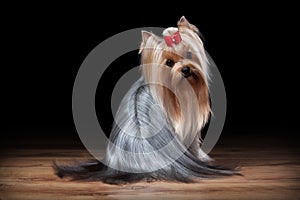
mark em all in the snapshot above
pixel 156 134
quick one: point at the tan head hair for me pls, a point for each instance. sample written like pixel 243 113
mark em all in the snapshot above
pixel 183 97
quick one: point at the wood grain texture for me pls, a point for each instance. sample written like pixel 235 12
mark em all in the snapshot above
pixel 270 171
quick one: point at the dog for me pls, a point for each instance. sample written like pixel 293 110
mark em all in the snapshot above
pixel 157 130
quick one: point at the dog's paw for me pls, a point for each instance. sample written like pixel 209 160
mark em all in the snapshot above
pixel 204 157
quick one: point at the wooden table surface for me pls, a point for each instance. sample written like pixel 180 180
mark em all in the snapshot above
pixel 271 170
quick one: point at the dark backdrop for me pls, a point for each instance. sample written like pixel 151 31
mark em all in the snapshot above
pixel 44 46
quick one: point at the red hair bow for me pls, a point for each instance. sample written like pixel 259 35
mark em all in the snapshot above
pixel 170 41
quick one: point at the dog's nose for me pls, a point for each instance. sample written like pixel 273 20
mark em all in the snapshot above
pixel 186 70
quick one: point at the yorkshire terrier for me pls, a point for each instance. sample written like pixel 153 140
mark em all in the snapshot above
pixel 157 130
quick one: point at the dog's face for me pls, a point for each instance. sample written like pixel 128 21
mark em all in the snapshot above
pixel 178 63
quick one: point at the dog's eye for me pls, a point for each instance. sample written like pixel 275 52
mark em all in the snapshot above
pixel 170 63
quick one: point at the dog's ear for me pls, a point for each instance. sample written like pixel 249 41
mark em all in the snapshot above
pixel 145 37
pixel 184 23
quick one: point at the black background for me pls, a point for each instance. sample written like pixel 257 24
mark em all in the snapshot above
pixel 43 46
